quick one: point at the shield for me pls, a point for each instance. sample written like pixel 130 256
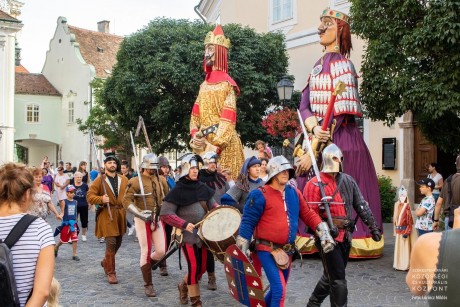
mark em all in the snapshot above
pixel 243 281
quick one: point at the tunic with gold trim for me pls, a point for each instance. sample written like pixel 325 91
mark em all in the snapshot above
pixel 216 104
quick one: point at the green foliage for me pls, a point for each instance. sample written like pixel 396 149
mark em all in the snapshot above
pixel 412 63
pixel 102 123
pixel 387 197
pixel 160 69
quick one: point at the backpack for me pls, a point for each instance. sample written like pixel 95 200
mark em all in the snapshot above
pixel 8 291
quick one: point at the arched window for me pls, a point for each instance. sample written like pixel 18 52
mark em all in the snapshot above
pixel 33 113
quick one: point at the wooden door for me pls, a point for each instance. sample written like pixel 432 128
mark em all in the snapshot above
pixel 424 153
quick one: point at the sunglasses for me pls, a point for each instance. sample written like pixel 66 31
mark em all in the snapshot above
pixel 71 192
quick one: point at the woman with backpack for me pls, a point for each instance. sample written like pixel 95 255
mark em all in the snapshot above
pixel 33 253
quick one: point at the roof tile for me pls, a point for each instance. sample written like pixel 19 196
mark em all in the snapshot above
pixel 98 49
pixel 34 84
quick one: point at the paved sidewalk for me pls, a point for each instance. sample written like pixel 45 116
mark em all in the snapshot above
pixel 370 282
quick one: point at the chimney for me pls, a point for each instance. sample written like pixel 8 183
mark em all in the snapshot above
pixel 103 26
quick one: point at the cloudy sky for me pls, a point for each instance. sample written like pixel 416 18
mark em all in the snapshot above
pixel 39 18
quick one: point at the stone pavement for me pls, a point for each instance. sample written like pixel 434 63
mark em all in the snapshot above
pixel 370 282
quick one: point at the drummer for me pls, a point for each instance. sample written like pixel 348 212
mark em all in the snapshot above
pixel 183 207
pixel 248 180
pixel 216 181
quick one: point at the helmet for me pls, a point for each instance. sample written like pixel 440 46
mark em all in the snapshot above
pixel 209 157
pixel 329 165
pixel 188 161
pixel 150 161
pixel 278 164
pixel 163 161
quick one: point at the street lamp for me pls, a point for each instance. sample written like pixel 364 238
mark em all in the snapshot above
pixel 285 89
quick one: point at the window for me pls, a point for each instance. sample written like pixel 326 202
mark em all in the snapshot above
pixel 71 112
pixel 282 10
pixel 33 113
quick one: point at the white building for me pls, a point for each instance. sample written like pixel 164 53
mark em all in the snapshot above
pixel 9 26
pixel 75 57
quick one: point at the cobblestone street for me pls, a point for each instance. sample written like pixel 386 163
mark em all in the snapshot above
pixel 370 282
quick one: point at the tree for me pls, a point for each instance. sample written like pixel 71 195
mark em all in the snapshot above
pixel 160 68
pixel 411 63
pixel 102 123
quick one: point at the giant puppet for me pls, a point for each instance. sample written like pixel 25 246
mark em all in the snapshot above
pixel 213 120
pixel 341 129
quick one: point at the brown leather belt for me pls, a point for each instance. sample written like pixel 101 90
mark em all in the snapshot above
pixel 112 206
pixel 288 248
pixel 342 222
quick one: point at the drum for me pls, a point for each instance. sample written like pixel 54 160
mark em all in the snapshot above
pixel 219 229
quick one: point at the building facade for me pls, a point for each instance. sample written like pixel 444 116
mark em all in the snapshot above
pixel 75 57
pixel 9 26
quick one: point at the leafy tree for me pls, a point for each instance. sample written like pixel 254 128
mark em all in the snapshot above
pixel 160 68
pixel 412 63
pixel 102 123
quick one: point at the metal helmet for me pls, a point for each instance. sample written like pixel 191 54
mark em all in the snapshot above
pixel 188 161
pixel 209 157
pixel 278 164
pixel 163 161
pixel 329 164
pixel 150 161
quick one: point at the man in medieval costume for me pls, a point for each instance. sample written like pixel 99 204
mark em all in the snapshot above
pixel 183 207
pixel 346 201
pixel 146 211
pixel 270 216
pixel 213 120
pixel 108 190
pixel 332 67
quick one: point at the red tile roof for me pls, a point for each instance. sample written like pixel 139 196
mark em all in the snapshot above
pixel 6 17
pixel 98 49
pixel 21 68
pixel 34 84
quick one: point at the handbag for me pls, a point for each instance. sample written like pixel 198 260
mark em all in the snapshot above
pixel 281 258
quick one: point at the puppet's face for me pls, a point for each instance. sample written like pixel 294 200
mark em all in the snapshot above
pixel 402 195
pixel 209 55
pixel 327 31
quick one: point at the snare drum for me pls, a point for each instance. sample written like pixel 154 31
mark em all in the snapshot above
pixel 219 229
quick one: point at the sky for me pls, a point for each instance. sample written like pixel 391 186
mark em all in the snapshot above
pixel 126 16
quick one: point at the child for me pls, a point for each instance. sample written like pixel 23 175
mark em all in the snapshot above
pixel 55 291
pixel 69 225
pixel 425 211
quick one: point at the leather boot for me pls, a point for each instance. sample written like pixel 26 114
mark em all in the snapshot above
pixel 212 281
pixel 194 292
pixel 183 293
pixel 163 269
pixel 195 300
pixel 104 265
pixel 147 276
pixel 110 265
pixel 339 293
pixel 320 293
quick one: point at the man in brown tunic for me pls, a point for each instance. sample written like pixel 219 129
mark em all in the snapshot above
pixel 109 190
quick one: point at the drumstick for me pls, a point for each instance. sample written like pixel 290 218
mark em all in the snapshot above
pixel 198 224
pixel 202 221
